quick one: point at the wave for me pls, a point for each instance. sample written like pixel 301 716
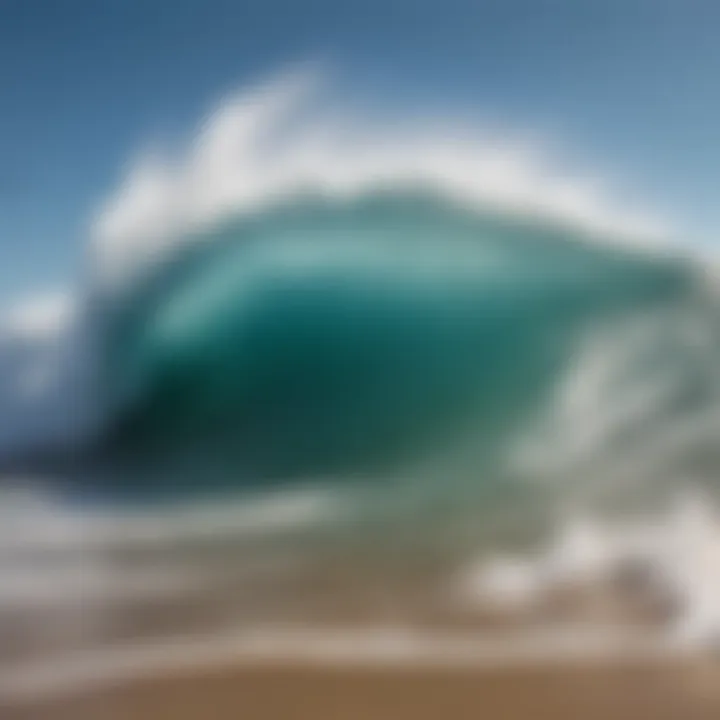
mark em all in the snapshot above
pixel 331 340
pixel 395 348
pixel 302 299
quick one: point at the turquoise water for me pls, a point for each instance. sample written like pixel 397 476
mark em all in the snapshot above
pixel 367 339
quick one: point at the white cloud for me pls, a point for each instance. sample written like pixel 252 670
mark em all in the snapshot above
pixel 38 317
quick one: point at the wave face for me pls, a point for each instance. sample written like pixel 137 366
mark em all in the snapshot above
pixel 302 297
pixel 362 338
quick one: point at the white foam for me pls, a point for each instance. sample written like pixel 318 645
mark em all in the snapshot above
pixel 54 558
pixel 33 525
pixel 275 141
pixel 40 316
pixel 679 553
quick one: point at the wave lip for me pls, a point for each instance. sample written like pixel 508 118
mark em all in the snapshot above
pixel 276 142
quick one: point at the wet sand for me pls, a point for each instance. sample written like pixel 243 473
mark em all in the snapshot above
pixel 355 674
pixel 287 691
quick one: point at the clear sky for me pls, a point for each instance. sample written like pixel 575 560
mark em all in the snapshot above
pixel 630 85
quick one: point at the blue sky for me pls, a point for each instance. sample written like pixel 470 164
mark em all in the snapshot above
pixel 630 86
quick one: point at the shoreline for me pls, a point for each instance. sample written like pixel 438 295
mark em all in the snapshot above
pixel 349 674
pixel 348 648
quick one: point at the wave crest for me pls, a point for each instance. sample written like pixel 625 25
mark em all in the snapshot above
pixel 276 141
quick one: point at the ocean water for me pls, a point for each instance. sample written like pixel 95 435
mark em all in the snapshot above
pixel 369 338
pixel 313 383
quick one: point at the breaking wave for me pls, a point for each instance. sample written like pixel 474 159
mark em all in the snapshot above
pixel 301 297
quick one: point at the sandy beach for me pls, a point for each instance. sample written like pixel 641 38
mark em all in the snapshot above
pixel 356 674
pixel 284 691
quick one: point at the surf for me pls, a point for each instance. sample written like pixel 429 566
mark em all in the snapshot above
pixel 296 299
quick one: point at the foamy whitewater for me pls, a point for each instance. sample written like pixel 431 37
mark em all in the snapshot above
pixel 311 338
